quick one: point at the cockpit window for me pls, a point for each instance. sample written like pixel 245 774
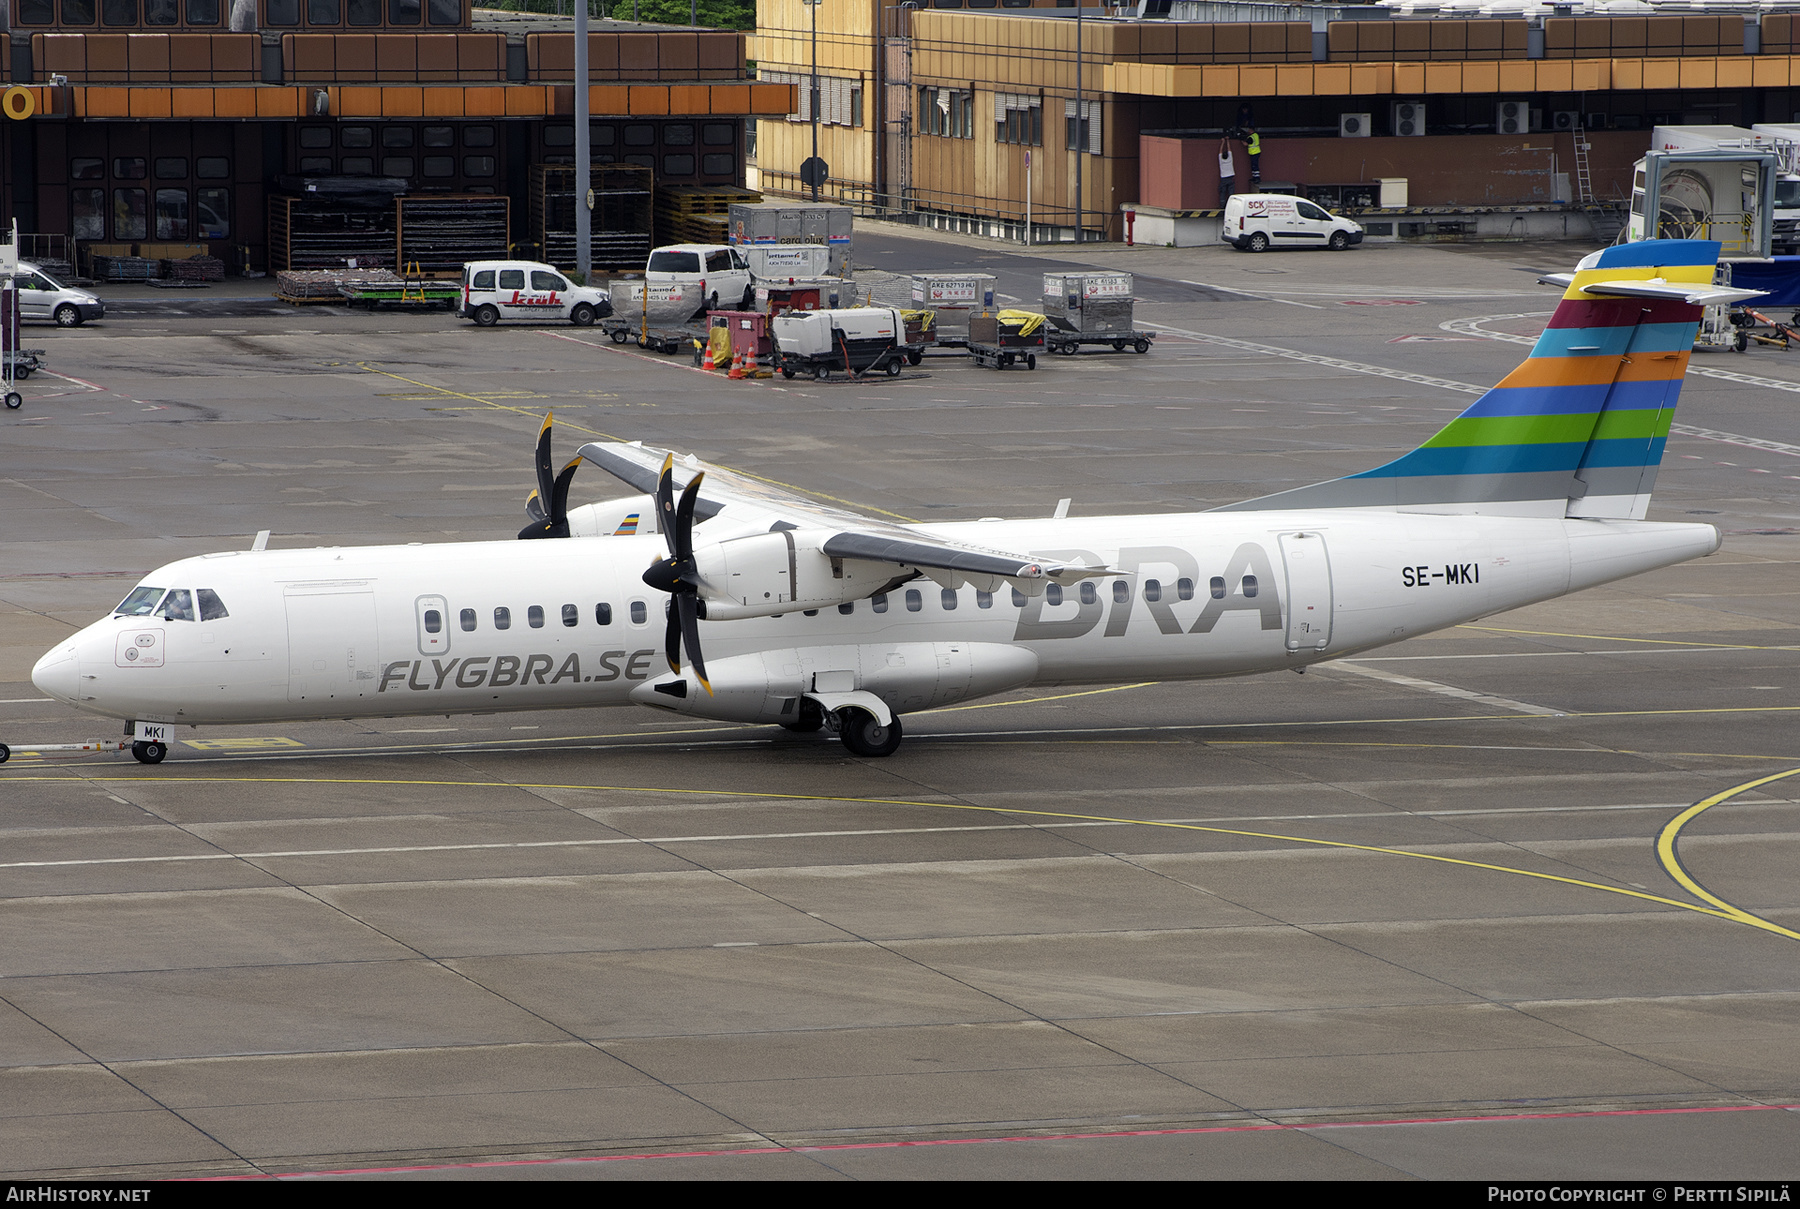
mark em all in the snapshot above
pixel 211 607
pixel 141 602
pixel 178 605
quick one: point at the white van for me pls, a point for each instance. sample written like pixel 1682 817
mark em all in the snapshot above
pixel 42 296
pixel 720 275
pixel 1256 222
pixel 524 289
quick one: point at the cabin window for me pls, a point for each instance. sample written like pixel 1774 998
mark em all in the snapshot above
pixel 1089 593
pixel 534 617
pixel 468 621
pixel 1121 591
pixel 879 601
pixel 949 600
pixel 639 614
pixel 211 607
pixel 571 615
pixel 1184 588
pixel 1249 585
pixel 847 609
pixel 914 602
pixel 984 600
pixel 1053 594
pixel 1153 589
pixel 1018 599
pixel 1217 587
pixel 602 614
pixel 503 618
pixel 178 605
pixel 141 602
pixel 434 622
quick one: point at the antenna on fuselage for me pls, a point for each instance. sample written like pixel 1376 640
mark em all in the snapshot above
pixel 262 540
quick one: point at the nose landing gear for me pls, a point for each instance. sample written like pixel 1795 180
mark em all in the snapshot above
pixel 149 753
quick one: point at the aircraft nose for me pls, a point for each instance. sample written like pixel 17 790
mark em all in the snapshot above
pixel 58 674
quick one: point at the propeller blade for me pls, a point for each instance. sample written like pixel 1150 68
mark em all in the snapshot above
pixel 665 501
pixel 687 605
pixel 672 636
pixel 545 483
pixel 548 503
pixel 684 523
pixel 559 495
pixel 534 506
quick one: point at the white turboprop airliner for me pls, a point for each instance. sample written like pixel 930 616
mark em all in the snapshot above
pixel 810 616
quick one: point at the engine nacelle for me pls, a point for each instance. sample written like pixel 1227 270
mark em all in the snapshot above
pixel 769 686
pixel 614 518
pixel 764 574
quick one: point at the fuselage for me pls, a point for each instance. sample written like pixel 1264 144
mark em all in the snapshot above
pixel 510 625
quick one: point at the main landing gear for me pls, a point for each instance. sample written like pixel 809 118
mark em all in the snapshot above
pixel 859 729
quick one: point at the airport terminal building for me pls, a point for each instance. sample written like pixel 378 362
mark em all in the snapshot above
pixel 208 122
pixel 971 110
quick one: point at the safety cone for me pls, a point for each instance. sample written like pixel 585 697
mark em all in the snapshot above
pixel 706 362
pixel 737 365
pixel 750 363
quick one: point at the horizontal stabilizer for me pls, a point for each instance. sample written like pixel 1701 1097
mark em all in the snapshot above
pixel 1693 295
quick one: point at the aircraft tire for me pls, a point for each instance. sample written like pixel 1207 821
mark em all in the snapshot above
pixel 5 753
pixel 864 736
pixel 149 753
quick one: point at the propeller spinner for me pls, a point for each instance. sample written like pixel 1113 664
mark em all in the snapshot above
pixel 677 574
pixel 555 521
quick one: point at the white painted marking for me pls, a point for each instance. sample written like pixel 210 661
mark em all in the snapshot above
pixel 26 700
pixel 1359 367
pixel 1447 690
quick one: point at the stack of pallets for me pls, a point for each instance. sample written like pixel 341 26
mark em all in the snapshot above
pixel 440 233
pixel 126 268
pixel 320 233
pixel 195 268
pixel 697 213
pixel 622 216
pixel 326 285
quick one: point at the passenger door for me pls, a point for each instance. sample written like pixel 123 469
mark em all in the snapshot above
pixel 1312 225
pixel 1308 591
pixel 513 294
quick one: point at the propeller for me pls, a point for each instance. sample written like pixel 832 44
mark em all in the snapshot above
pixel 677 575
pixel 554 522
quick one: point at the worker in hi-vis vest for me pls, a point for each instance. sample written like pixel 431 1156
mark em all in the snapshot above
pixel 1253 145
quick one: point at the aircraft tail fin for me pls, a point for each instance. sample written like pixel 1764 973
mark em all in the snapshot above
pixel 1579 428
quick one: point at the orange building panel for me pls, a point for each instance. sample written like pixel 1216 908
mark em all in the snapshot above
pixel 649 100
pixel 483 102
pixel 193 102
pixel 402 102
pixel 149 102
pixel 730 98
pixel 356 102
pixel 610 99
pixel 445 102
pixel 234 102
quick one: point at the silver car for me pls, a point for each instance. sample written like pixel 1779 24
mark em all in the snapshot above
pixel 41 296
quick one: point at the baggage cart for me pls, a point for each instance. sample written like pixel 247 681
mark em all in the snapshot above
pixel 1091 307
pixel 661 323
pixel 1069 343
pixel 853 340
pixel 1007 339
pixel 953 297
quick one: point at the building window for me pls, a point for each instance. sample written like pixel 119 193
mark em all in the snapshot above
pixel 1018 119
pixel 438 136
pixel 446 12
pixel 318 136
pixel 639 134
pixel 171 168
pixel 397 165
pixel 202 12
pixel 718 134
pixel 678 134
pixel 322 12
pixel 1082 130
pixel 119 12
pixel 212 168
pixel 162 12
pixel 87 170
pixel 358 165
pixel 354 136
pixel 128 168
pixel 275 12
pixel 74 12
pixel 37 12
pixel 171 214
pixel 397 137
pixel 213 213
pixel 678 165
pixel 559 136
pixel 87 207
pixel 365 12
pixel 479 136
pixel 947 112
pixel 403 12
pixel 131 214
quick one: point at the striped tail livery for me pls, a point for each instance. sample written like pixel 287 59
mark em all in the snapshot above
pixel 1578 429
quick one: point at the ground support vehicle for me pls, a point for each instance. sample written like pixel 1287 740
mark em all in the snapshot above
pixel 716 276
pixel 1256 222
pixel 661 338
pixel 1755 327
pixel 1009 338
pixel 21 363
pixel 854 340
pixel 493 290
pixel 1069 343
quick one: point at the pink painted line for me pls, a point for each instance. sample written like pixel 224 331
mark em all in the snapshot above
pixel 1266 1127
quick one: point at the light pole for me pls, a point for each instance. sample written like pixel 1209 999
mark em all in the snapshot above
pixel 814 94
pixel 584 172
pixel 1080 136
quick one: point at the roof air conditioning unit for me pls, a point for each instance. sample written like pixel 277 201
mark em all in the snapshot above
pixel 1355 125
pixel 1567 119
pixel 1512 117
pixel 1409 118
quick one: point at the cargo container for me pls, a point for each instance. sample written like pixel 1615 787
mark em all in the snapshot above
pixel 952 297
pixel 1088 302
pixel 771 224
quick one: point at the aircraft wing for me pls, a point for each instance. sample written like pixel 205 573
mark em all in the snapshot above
pixel 1696 295
pixel 759 505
